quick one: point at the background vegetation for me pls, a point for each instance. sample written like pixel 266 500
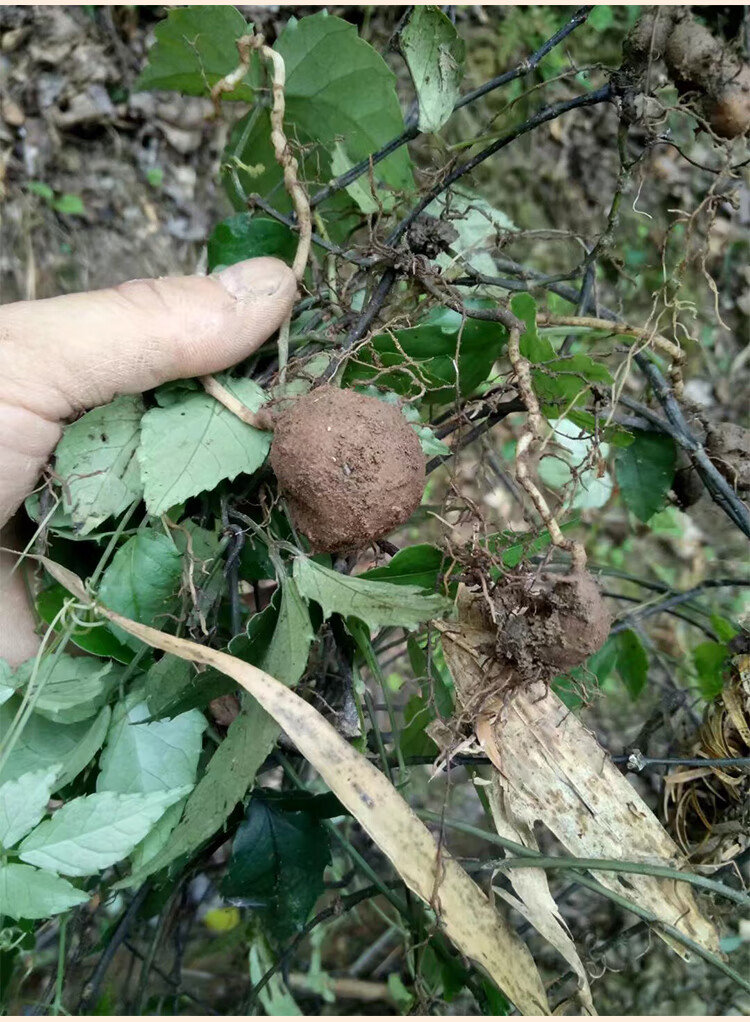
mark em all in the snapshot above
pixel 575 185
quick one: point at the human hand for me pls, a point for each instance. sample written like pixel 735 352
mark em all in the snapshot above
pixel 60 356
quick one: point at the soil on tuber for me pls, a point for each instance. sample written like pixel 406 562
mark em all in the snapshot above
pixel 350 466
pixel 697 62
pixel 549 624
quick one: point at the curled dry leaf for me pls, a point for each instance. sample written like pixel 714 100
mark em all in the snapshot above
pixel 550 768
pixel 533 898
pixel 465 914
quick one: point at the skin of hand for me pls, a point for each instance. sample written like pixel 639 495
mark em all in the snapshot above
pixel 61 356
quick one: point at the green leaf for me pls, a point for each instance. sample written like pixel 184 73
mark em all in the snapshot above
pixel 41 189
pixel 229 775
pixel 72 688
pixel 156 756
pixel 194 48
pixel 427 355
pixel 376 603
pixel 478 223
pixel 420 565
pixel 570 465
pixel 95 831
pixel 533 346
pixel 432 674
pixel 28 893
pixel 339 93
pixel 632 662
pixel 96 462
pixel 723 628
pixel 613 434
pixel 644 472
pixel 286 656
pixel 412 739
pixel 43 744
pixel 710 660
pixel 174 686
pixel 243 236
pixel 95 640
pixel 277 866
pixel 70 204
pixel 142 581
pixel 157 837
pixel 23 803
pixel 194 444
pixel 434 54
pixel 7 688
pixel 429 443
pixel 599 666
pixel 513 547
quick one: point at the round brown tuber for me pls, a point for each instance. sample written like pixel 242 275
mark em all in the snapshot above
pixel 729 113
pixel 728 447
pixel 552 625
pixel 350 466
pixel 701 63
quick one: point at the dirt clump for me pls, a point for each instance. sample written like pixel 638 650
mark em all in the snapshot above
pixel 697 62
pixel 550 625
pixel 350 466
pixel 728 447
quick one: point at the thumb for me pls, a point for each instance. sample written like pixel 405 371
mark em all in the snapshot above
pixel 61 355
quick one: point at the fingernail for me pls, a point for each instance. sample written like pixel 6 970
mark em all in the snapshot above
pixel 256 278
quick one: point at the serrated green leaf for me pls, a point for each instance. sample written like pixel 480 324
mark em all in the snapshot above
pixel 174 686
pixel 95 460
pixel 533 346
pixel 229 775
pixel 644 472
pixel 157 837
pixel 23 803
pixel 155 756
pixel 710 659
pixel 277 866
pixel 28 893
pixel 194 48
pixel 70 688
pixel 243 236
pixel 142 581
pixel 427 356
pixel 338 90
pixel 43 744
pixel 274 995
pixel 562 380
pixel 95 831
pixel 434 53
pixel 632 662
pixel 376 603
pixel 194 444
pixel 285 657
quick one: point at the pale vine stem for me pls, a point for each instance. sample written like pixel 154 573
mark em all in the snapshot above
pixel 534 430
pixel 674 351
pixel 246 45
